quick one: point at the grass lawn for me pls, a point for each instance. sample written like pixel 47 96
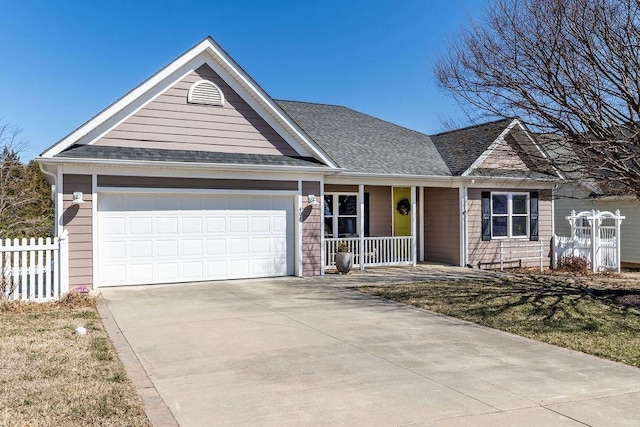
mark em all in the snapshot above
pixel 599 316
pixel 49 375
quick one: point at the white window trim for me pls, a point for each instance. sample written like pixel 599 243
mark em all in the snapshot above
pixel 334 217
pixel 510 214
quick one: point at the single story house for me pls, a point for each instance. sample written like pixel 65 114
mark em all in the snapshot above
pixel 198 174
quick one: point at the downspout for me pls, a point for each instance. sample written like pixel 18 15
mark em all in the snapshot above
pixel 54 194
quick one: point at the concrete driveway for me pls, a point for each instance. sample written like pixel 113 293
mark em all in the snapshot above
pixel 313 352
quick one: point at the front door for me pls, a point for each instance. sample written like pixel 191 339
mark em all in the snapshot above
pixel 401 211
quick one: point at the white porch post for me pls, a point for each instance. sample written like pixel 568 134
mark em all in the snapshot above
pixel 361 217
pixel 421 221
pixel 323 250
pixel 413 227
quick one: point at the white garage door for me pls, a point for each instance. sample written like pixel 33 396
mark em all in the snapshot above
pixel 144 239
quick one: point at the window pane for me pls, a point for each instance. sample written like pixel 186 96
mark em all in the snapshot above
pixel 328 227
pixel 347 226
pixel 519 226
pixel 499 203
pixel 520 204
pixel 347 205
pixel 328 205
pixel 499 224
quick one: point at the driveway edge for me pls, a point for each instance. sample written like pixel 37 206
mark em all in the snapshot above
pixel 156 409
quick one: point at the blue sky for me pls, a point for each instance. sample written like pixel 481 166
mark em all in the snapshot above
pixel 62 62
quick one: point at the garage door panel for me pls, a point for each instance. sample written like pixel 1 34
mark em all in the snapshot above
pixel 113 250
pixel 141 203
pixel 216 225
pixel 168 272
pixel 115 226
pixel 239 247
pixel 192 225
pixel 192 247
pixel 191 238
pixel 238 224
pixel 216 247
pixel 238 204
pixel 167 225
pixel 167 248
pixel 141 273
pixel 141 225
pixel 261 224
pixel 141 249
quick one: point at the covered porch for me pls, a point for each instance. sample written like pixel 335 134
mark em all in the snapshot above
pixel 386 225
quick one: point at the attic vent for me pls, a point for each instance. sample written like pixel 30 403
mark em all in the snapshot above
pixel 205 92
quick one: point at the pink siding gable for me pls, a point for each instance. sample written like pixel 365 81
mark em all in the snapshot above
pixel 170 122
pixel 515 152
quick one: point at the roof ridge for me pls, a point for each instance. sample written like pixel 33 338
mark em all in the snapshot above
pixel 311 103
pixel 473 126
pixel 359 112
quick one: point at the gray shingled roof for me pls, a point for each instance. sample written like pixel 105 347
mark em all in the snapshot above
pixel 160 155
pixel 362 143
pixel 461 147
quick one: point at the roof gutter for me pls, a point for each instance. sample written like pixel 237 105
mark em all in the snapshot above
pixel 183 165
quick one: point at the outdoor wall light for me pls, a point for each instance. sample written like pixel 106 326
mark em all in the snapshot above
pixel 312 199
pixel 77 198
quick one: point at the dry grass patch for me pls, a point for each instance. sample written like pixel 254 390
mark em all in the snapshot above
pixel 50 375
pixel 593 315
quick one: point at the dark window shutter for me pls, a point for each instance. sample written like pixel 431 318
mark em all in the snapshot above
pixel 366 215
pixel 533 211
pixel 486 216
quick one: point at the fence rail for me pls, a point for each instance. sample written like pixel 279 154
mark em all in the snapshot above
pixel 372 251
pixel 521 250
pixel 34 269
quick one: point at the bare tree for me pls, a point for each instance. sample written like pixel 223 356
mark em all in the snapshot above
pixel 569 69
pixel 26 209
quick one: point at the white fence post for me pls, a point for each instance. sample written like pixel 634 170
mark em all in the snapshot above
pixel 64 262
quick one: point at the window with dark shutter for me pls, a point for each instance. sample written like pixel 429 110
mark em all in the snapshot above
pixel 486 215
pixel 533 210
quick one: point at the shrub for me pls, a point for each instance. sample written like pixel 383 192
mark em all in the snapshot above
pixel 573 264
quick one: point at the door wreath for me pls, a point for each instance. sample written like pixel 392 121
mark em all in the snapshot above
pixel 404 207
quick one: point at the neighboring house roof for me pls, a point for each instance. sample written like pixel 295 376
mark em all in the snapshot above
pixel 460 148
pixel 186 156
pixel 362 143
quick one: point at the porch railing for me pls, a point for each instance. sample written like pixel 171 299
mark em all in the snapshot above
pixel 372 251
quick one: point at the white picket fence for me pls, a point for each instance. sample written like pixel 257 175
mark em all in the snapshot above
pixel 34 269
pixel 590 240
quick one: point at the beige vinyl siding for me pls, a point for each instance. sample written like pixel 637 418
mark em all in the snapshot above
pixel 380 214
pixel 311 231
pixel 489 251
pixel 170 122
pixel 506 156
pixel 629 228
pixel 194 183
pixel 442 225
pixel 77 220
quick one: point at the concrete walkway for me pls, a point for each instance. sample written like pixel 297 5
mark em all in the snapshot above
pixel 314 352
